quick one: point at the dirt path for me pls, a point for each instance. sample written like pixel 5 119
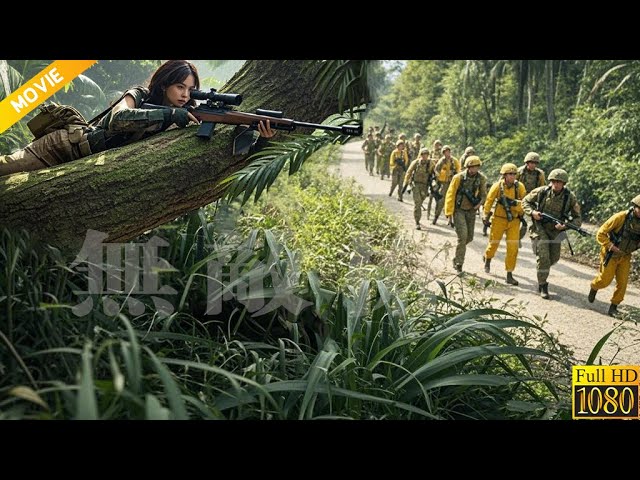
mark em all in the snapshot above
pixel 578 323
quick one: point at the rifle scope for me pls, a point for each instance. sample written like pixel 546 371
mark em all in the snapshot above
pixel 228 98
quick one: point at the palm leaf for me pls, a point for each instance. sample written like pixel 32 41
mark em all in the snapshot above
pixel 348 79
pixel 270 161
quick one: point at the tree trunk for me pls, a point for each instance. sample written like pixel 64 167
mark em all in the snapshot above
pixel 126 191
pixel 523 75
pixel 551 113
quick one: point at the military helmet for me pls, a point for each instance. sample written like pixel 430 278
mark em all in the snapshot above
pixel 559 174
pixel 532 157
pixel 446 147
pixel 402 135
pixel 469 150
pixel 437 142
pixel 636 200
pixel 417 135
pixel 508 168
pixel 472 161
pixel 424 150
pixel 399 142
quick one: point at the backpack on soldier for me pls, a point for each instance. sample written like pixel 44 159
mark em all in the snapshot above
pixel 54 117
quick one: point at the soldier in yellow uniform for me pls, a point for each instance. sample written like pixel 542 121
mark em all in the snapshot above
pixel 466 195
pixel 398 163
pixel 506 218
pixel 445 169
pixel 556 200
pixel 419 174
pixel 624 228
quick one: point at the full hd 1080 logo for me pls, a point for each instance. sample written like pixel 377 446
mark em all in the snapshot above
pixel 605 391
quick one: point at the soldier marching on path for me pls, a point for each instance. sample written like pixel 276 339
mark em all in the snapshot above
pixel 436 154
pixel 558 201
pixel 445 169
pixel 506 218
pixel 369 147
pixel 383 153
pixel 398 163
pixel 618 237
pixel 465 196
pixel 419 175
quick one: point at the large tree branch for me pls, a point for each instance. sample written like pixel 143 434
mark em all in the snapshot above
pixel 127 191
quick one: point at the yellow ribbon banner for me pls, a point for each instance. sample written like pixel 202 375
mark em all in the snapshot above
pixel 38 89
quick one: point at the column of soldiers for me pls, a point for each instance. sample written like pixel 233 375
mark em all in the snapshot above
pixel 520 191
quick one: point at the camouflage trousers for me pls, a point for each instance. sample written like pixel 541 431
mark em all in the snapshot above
pixel 50 150
pixel 617 267
pixel 382 166
pixel 420 193
pixel 464 222
pixel 444 186
pixel 397 178
pixel 369 160
pixel 546 246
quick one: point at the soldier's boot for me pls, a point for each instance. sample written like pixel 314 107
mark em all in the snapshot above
pixel 435 219
pixel 400 199
pixel 418 227
pixel 613 310
pixel 487 264
pixel 543 288
pixel 511 280
pixel 484 230
pixel 592 295
pixel 457 267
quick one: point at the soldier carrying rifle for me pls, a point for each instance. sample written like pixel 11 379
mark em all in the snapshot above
pixel 554 209
pixel 618 237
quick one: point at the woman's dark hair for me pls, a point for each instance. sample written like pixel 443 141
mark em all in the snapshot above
pixel 170 72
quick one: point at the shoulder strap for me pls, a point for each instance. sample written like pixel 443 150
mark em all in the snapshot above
pixel 97 118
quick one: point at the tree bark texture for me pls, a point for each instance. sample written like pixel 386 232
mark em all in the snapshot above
pixel 126 191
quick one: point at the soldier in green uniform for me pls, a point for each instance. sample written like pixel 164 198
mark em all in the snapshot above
pixel 383 152
pixel 369 147
pixel 465 196
pixel 398 163
pixel 531 177
pixel 620 237
pixel 556 200
pixel 436 154
pixel 377 141
pixel 467 153
pixel 125 123
pixel 529 174
pixel 414 147
pixel 419 174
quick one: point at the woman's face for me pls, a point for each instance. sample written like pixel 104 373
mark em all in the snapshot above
pixel 178 94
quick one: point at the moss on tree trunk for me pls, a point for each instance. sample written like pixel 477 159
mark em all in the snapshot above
pixel 127 191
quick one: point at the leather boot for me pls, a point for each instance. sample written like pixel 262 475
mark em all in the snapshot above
pixel 487 264
pixel 613 310
pixel 592 295
pixel 510 279
pixel 543 288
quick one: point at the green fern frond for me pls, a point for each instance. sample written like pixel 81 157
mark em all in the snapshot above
pixel 271 160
